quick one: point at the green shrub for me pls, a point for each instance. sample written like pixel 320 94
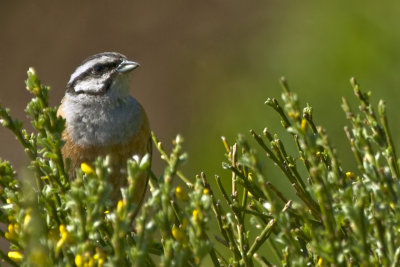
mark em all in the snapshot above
pixel 339 217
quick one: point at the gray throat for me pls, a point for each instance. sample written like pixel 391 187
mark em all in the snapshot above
pixel 101 120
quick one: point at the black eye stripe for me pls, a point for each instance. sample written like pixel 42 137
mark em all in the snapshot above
pixel 103 67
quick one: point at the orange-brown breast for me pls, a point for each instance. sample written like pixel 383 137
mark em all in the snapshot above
pixel 139 144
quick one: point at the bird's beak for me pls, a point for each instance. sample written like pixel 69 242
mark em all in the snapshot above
pixel 127 66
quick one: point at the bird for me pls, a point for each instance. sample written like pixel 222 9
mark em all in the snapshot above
pixel 103 119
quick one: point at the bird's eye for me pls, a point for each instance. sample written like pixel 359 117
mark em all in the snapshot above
pixel 97 69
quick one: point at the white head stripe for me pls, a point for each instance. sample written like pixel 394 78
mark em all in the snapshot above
pixel 87 65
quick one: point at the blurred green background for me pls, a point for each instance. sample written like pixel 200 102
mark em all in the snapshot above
pixel 208 66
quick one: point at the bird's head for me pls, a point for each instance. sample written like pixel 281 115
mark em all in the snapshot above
pixel 102 74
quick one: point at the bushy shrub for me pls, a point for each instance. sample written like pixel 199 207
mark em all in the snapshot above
pixel 340 217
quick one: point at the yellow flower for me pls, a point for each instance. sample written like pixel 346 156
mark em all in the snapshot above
pixel 12 231
pixel 178 234
pixel 62 229
pixel 86 168
pixel 350 175
pixel 196 214
pixel 99 258
pixel 78 260
pixel 15 256
pixel 320 262
pixel 303 125
pixel 64 236
pixel 181 194
pixel 59 245
pixel 27 219
pixel 8 236
pixel 120 205
pixel 392 205
pixel 206 191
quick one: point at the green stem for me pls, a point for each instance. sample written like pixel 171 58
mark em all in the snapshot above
pixel 261 238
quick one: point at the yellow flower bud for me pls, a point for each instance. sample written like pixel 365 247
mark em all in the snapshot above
pixel 15 256
pixel 350 175
pixel 64 238
pixel 120 205
pixel 181 194
pixel 206 191
pixel 62 228
pixel 178 234
pixel 12 231
pixel 195 214
pixel 27 219
pixel 11 227
pixel 303 125
pixel 63 231
pixel 86 168
pixel 99 258
pixel 320 262
pixel 78 260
